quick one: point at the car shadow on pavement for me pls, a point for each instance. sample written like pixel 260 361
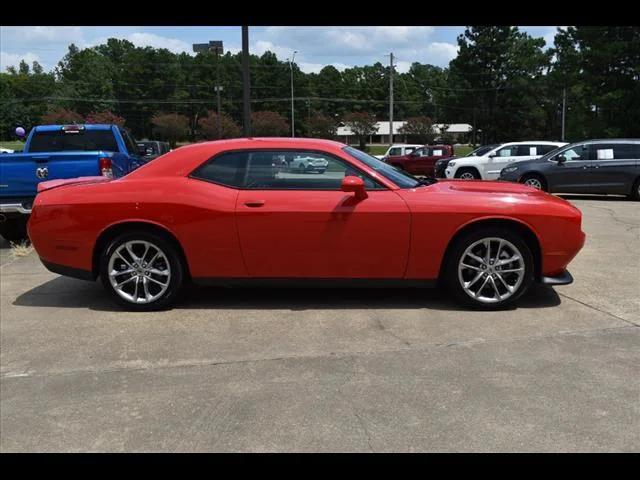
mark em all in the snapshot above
pixel 65 292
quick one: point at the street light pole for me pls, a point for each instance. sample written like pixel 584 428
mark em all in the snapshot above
pixel 246 83
pixel 391 98
pixel 293 120
pixel 214 46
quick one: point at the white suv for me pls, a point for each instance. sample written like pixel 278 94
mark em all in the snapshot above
pixel 489 165
pixel 308 164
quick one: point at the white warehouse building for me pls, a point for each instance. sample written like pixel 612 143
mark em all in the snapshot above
pixel 458 130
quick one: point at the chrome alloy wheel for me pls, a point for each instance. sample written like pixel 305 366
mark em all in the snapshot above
pixel 139 271
pixel 467 176
pixel 491 270
pixel 533 182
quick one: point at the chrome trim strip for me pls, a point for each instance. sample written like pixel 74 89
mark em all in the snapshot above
pixel 13 208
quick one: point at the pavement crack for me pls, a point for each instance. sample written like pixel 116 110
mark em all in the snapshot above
pixel 599 310
pixel 380 326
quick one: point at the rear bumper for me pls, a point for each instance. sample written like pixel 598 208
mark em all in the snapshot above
pixel 564 278
pixel 68 271
pixel 21 208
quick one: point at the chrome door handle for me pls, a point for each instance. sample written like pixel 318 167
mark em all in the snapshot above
pixel 254 203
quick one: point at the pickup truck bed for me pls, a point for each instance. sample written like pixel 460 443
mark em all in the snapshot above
pixel 59 152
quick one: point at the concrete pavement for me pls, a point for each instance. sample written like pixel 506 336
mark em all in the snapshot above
pixel 329 370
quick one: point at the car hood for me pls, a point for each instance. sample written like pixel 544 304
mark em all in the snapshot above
pixel 488 187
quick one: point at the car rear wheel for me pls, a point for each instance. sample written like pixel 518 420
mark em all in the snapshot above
pixel 534 181
pixel 14 229
pixel 489 268
pixel 302 168
pixel 142 271
pixel 467 174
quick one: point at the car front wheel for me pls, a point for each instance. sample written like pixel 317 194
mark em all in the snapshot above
pixel 535 181
pixel 489 268
pixel 142 271
pixel 467 174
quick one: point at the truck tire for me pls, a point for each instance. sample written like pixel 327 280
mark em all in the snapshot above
pixel 14 229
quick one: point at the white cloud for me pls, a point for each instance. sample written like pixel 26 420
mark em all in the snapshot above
pixel 13 59
pixel 143 39
pixel 41 36
pixel 440 53
pixel 307 67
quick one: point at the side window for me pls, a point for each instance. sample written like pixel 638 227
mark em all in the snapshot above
pixel 507 151
pixel 527 151
pixel 614 151
pixel 577 153
pixel 394 152
pixel 408 150
pixel 226 169
pixel 436 152
pixel 544 149
pixel 291 170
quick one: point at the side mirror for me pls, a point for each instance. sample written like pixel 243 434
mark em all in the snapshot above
pixel 493 155
pixel 561 159
pixel 355 185
pixel 142 150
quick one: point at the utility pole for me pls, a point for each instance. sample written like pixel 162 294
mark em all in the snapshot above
pixel 564 105
pixel 214 46
pixel 293 119
pixel 391 98
pixel 246 83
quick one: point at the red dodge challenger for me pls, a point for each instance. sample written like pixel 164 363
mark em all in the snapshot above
pixel 225 212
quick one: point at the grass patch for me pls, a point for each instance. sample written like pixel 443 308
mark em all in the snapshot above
pixel 21 249
pixel 12 145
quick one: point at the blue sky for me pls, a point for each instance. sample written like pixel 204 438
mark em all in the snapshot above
pixel 316 46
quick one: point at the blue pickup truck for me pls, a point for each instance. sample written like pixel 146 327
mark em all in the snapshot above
pixel 60 151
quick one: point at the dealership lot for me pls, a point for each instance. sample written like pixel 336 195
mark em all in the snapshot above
pixel 329 370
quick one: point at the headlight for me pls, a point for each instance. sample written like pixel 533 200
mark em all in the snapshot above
pixel 509 169
pixel 452 164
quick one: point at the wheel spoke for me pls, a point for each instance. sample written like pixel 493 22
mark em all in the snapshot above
pixel 471 267
pixel 123 259
pixel 145 285
pixel 487 253
pixel 495 287
pixel 507 260
pixel 118 285
pixel 484 284
pixel 476 258
pixel 512 270
pixel 475 279
pixel 115 273
pixel 158 272
pixel 156 281
pixel 499 250
pixel 508 287
pixel 130 252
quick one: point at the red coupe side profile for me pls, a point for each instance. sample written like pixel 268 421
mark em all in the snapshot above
pixel 227 212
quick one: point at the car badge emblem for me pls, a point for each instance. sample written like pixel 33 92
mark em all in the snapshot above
pixel 42 172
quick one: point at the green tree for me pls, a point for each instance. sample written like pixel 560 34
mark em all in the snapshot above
pixel 419 129
pixel 171 127
pixel 269 124
pixel 208 127
pixel 321 126
pixel 362 124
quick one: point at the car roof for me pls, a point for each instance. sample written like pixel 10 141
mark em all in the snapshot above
pixel 611 140
pixel 539 142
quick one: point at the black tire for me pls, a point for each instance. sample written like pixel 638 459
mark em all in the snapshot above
pixel 533 177
pixel 175 263
pixel 302 168
pixel 472 171
pixel 14 229
pixel 321 172
pixel 453 283
pixel 635 191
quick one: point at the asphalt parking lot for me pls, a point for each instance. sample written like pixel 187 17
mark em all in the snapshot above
pixel 329 370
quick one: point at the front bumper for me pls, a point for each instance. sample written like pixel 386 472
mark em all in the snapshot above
pixel 563 278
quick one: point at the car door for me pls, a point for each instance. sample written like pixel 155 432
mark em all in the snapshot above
pixel 612 168
pixel 498 160
pixel 295 225
pixel 572 175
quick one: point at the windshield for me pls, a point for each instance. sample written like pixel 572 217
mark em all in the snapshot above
pixel 478 152
pixel 83 140
pixel 399 177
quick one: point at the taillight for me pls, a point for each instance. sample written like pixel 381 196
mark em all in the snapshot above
pixel 105 167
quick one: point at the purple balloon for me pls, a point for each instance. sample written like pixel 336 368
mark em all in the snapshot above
pixel 20 132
